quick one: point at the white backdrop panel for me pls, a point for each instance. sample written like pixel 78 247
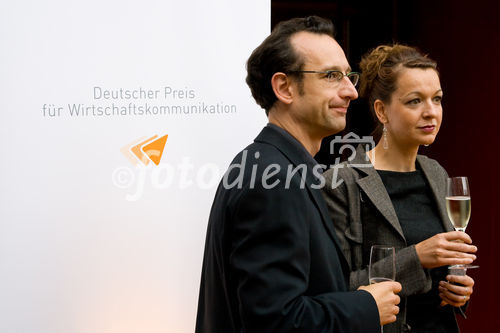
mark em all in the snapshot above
pixel 90 243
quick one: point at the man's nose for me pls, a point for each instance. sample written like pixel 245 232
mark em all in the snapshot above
pixel 347 89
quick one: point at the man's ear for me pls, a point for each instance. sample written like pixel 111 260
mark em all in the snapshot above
pixel 281 84
pixel 380 111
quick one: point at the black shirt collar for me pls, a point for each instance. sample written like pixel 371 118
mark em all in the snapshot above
pixel 304 154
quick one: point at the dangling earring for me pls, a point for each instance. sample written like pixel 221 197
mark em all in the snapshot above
pixel 384 142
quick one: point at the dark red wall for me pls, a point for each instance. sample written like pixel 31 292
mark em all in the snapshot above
pixel 465 40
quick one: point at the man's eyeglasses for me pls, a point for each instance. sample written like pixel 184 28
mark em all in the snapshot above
pixel 335 76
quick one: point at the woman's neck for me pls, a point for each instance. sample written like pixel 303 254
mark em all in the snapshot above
pixel 393 158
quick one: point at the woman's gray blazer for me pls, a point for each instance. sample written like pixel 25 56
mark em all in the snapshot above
pixel 363 215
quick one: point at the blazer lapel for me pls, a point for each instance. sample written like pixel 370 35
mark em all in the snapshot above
pixel 327 221
pixel 271 136
pixel 371 184
pixel 438 190
pixel 375 190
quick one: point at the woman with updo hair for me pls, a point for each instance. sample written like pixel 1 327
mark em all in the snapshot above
pixel 391 195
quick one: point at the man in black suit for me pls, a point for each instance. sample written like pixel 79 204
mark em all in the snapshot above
pixel 272 262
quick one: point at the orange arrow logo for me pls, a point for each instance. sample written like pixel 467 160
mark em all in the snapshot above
pixel 144 151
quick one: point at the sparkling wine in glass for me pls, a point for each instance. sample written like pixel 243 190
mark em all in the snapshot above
pixel 458 206
pixel 458 202
pixel 382 266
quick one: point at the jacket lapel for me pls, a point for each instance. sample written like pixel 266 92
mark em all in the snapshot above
pixel 438 190
pixel 371 185
pixel 375 190
pixel 271 136
pixel 326 219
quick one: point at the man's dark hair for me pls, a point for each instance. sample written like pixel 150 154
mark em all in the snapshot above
pixel 276 54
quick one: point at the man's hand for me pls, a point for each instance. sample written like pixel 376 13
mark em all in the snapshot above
pixel 444 249
pixel 386 299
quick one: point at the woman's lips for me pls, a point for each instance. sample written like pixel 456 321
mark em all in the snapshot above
pixel 428 129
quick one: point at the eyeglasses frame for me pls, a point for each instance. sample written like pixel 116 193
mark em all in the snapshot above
pixel 328 72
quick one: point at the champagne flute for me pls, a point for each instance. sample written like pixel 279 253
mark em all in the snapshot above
pixel 458 202
pixel 458 206
pixel 382 266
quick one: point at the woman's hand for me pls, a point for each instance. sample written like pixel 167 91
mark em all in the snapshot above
pixel 456 294
pixel 444 249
